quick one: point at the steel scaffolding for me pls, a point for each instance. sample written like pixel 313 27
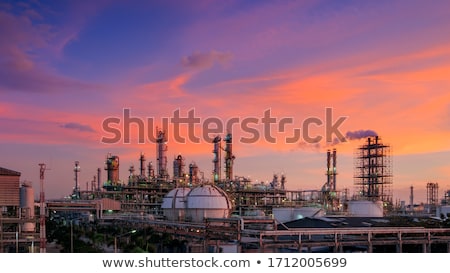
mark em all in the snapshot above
pixel 373 171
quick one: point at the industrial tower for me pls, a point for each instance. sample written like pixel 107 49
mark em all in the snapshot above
pixel 373 171
pixel 161 151
pixel 331 170
pixel 432 197
pixel 217 157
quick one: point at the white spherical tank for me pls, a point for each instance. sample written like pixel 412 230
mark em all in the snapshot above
pixel 175 203
pixel 363 208
pixel 207 201
pixel 27 207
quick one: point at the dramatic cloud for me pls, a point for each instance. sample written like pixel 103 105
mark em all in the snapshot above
pixel 78 127
pixel 206 60
pixel 29 49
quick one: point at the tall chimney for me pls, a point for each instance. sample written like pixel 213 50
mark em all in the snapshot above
pixel 76 170
pixel 99 173
pixel 328 168
pixel 334 169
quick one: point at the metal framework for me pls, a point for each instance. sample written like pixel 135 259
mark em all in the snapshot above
pixel 373 171
pixel 432 194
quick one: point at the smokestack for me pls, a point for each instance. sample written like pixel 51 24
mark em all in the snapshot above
pixel 334 169
pixel 328 168
pixel 99 172
pixel 411 198
pixel 76 171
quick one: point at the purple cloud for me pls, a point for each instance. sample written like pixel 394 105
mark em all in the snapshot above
pixel 202 60
pixel 29 40
pixel 78 127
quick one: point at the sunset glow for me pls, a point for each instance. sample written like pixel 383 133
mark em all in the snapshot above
pixel 65 67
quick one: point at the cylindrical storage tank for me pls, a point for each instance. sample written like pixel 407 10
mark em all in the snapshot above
pixel 363 208
pixel 310 212
pixel 443 212
pixel 27 207
pixel 283 215
pixel 174 204
pixel 287 214
pixel 207 201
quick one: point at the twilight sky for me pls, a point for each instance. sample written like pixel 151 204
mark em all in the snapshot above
pixel 66 66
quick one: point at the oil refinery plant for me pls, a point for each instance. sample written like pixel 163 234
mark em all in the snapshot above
pixel 230 213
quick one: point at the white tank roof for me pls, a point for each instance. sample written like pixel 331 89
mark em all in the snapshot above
pixel 364 208
pixel 207 197
pixel 175 199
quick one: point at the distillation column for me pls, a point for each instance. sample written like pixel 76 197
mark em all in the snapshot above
pixel 162 156
pixel 76 170
pixel 142 165
pixel 112 169
pixel 216 160
pixel 229 157
pixel 193 174
pixel 178 169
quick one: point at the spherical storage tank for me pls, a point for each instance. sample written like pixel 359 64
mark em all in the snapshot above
pixel 196 204
pixel 207 201
pixel 174 204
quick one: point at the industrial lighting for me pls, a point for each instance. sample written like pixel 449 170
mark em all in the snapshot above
pixel 121 235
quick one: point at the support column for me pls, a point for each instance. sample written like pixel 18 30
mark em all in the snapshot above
pixel 399 246
pixel 424 248
pixel 336 243
pixel 300 243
